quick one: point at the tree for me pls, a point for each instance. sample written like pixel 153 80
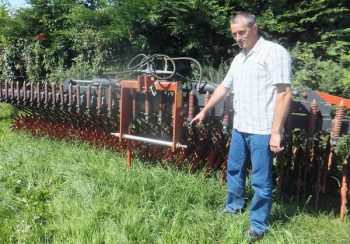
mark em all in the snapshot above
pixel 82 37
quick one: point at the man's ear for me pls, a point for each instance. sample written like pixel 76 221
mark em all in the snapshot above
pixel 255 27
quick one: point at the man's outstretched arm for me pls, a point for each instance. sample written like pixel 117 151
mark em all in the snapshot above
pixel 219 93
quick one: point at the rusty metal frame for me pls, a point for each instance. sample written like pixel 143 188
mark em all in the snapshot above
pixel 144 84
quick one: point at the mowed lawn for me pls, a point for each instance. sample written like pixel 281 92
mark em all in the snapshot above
pixel 68 192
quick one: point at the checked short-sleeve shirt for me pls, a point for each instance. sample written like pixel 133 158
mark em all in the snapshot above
pixel 252 78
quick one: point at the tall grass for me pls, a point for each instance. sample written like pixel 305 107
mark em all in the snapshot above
pixel 69 192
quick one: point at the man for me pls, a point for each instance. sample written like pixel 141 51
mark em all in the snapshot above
pixel 260 78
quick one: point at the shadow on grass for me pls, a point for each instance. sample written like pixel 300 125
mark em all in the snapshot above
pixel 285 208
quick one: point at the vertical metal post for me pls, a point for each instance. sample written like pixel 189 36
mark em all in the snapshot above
pixel 61 96
pixel 88 98
pixel 38 95
pixel 31 93
pixel 77 93
pixel 53 94
pixel 99 99
pixel 344 190
pixel 226 115
pixel 129 151
pixel 25 92
pixel 12 91
pixel 109 101
pixel 6 90
pixel 190 106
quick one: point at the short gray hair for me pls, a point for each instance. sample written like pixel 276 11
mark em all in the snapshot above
pixel 249 17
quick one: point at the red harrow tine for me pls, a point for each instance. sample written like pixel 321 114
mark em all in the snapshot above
pixel 53 93
pixel 344 194
pixel 147 107
pixel 226 115
pixel 6 90
pixel 12 91
pixel 70 96
pixel 18 93
pixel 134 105
pixel 25 92
pixel 77 94
pixel 344 190
pixel 190 106
pixel 46 94
pixel 304 166
pixel 31 93
pixel 337 122
pixel 61 96
pixel 335 134
pixel 312 119
pixel 284 164
pixel 38 95
pixel 310 147
pixel 160 109
pixel 310 153
pixel 99 99
pixel 109 101
pixel 88 99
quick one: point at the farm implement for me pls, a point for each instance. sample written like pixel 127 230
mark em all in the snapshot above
pixel 148 117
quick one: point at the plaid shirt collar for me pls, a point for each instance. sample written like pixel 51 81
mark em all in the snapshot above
pixel 258 45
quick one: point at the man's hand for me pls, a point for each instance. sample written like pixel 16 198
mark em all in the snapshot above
pixel 199 117
pixel 275 142
pixel 283 101
pixel 219 93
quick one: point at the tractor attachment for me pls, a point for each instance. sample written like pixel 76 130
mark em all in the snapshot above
pixel 148 117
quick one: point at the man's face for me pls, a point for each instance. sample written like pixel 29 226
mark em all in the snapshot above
pixel 245 36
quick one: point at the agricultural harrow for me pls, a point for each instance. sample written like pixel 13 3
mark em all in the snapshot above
pixel 148 117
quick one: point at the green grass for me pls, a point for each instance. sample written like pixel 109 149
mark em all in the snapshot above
pixel 61 192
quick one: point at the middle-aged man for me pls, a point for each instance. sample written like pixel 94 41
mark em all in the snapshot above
pixel 260 79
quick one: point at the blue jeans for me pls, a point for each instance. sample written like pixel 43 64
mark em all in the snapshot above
pixel 243 147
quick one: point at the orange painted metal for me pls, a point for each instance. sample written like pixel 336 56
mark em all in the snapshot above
pixel 144 83
pixel 337 122
pixel 344 188
pixel 129 151
pixel 177 118
pixel 166 86
pixel 190 106
pixel 333 99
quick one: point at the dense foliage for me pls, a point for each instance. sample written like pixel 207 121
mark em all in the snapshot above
pixel 84 38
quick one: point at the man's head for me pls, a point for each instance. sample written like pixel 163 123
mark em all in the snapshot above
pixel 244 30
